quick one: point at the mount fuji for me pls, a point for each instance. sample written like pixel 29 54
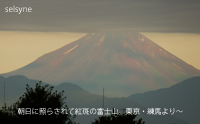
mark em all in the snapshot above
pixel 123 63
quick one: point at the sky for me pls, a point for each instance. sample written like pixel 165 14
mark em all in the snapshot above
pixel 174 25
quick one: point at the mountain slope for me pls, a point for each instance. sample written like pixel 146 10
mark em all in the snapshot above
pixel 182 96
pixel 15 86
pixel 79 98
pixel 123 62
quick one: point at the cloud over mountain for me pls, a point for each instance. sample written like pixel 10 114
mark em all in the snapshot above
pixel 103 15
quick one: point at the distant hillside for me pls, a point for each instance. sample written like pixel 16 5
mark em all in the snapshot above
pixel 15 87
pixel 80 98
pixel 183 96
pixel 77 97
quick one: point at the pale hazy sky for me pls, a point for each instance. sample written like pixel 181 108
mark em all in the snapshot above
pixel 18 49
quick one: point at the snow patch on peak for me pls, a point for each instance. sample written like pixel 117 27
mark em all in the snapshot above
pixel 71 49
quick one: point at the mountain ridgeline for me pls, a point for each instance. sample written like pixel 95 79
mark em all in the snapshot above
pixel 182 96
pixel 77 97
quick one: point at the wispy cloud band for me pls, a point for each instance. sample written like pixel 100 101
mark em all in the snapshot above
pixel 103 15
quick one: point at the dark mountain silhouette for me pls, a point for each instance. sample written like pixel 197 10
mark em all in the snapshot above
pixel 14 87
pixel 80 98
pixel 182 96
pixel 123 62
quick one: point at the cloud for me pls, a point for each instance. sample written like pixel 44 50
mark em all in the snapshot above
pixel 103 15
